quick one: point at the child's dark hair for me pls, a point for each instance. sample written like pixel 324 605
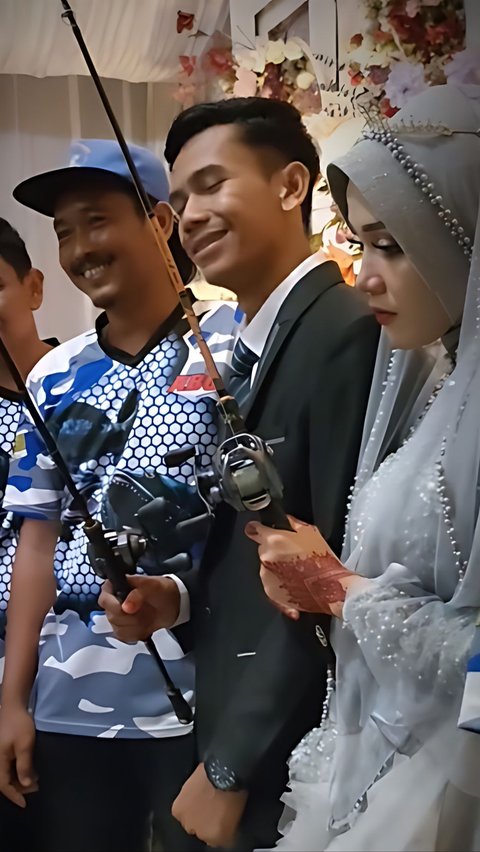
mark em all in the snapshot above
pixel 262 123
pixel 13 250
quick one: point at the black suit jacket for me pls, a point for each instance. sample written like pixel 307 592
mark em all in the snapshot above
pixel 260 676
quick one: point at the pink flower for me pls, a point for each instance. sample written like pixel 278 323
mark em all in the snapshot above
pixel 412 8
pixel 405 81
pixel 246 83
pixel 188 64
pixel 386 108
pixel 185 94
pixel 464 67
pixel 218 59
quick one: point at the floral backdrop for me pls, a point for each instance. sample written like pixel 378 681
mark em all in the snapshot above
pixel 404 47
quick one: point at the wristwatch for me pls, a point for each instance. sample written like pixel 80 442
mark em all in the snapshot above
pixel 222 777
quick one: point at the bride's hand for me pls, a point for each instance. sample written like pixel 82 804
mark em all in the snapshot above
pixel 299 571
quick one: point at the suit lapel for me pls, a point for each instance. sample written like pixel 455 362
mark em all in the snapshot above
pixel 308 290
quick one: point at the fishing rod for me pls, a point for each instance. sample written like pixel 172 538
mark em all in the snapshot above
pixel 244 474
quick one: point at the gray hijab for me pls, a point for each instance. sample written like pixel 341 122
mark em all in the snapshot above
pixel 452 164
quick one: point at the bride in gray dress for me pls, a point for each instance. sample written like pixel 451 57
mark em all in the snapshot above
pixel 395 762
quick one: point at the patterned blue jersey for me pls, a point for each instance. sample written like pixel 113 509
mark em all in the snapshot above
pixel 114 417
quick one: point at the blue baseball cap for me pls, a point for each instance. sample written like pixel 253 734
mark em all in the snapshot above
pixel 91 157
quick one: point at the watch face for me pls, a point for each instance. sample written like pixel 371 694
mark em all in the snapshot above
pixel 222 777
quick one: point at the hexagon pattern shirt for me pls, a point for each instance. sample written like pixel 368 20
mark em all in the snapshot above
pixel 114 417
pixel 10 410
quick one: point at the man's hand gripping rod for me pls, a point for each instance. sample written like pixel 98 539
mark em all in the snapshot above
pixel 245 475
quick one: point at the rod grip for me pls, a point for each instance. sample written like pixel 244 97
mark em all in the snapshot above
pixel 274 516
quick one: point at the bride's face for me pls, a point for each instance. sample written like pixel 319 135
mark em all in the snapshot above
pixel 397 294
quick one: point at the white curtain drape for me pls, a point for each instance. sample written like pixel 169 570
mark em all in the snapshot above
pixel 133 40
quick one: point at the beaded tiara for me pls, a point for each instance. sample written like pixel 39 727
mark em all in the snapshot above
pixel 379 131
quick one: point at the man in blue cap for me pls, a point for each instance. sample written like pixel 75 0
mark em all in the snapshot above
pixel 102 751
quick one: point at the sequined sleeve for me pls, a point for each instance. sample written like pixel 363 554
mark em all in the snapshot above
pixel 415 645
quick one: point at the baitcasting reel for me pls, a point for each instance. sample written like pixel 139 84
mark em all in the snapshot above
pixel 242 474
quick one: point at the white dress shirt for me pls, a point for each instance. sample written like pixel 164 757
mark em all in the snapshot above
pixel 255 334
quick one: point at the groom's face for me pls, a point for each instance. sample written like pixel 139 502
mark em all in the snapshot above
pixel 226 194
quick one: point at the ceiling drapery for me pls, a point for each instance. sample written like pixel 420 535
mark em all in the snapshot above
pixel 132 40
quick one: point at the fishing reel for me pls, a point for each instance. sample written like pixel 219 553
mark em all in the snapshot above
pixel 170 523
pixel 242 474
pixel 128 548
pixel 114 555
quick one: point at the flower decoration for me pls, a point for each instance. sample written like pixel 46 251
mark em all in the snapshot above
pixel 336 247
pixel 280 69
pixel 404 81
pixel 335 242
pixel 185 21
pixel 406 46
pixel 207 77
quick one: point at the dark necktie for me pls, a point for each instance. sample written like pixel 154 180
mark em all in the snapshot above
pixel 243 362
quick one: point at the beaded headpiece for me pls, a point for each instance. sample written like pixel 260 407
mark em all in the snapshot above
pixel 379 131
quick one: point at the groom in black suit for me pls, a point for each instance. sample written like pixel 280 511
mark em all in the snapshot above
pixel 243 172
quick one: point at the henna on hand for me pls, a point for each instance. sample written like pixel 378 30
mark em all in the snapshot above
pixel 299 569
pixel 312 582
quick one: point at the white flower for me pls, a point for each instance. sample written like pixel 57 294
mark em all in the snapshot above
pixel 304 80
pixel 405 80
pixel 368 54
pixel 320 125
pixel 292 50
pixel 333 135
pixel 248 59
pixel 265 51
pixel 275 52
pixel 253 59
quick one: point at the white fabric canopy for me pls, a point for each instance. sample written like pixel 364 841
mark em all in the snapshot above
pixel 133 40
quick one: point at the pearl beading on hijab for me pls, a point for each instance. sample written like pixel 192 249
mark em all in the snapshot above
pixel 421 179
pixel 445 502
